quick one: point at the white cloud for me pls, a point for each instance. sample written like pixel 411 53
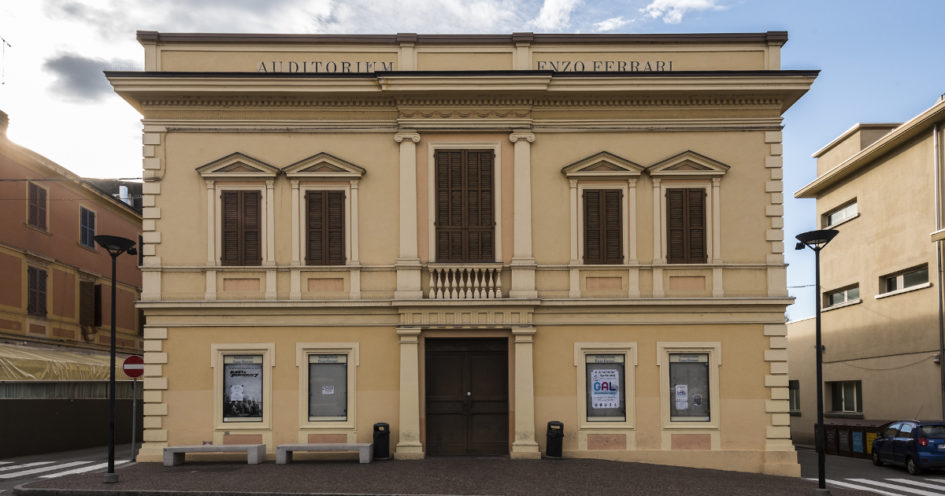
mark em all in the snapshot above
pixel 672 11
pixel 611 24
pixel 555 15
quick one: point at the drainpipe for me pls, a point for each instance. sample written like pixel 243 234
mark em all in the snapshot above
pixel 936 165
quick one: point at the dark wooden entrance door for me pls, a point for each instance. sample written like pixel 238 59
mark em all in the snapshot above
pixel 467 397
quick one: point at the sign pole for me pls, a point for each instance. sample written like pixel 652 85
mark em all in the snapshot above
pixel 133 367
pixel 134 416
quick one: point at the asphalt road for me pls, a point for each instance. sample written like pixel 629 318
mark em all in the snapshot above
pixel 25 469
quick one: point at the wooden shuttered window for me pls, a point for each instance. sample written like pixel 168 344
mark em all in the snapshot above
pixel 90 304
pixel 603 226
pixel 686 225
pixel 465 204
pixel 36 215
pixel 36 292
pixel 241 228
pixel 325 228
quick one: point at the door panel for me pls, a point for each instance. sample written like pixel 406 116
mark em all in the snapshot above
pixel 467 405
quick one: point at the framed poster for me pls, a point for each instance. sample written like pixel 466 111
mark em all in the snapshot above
pixel 605 383
pixel 689 387
pixel 242 388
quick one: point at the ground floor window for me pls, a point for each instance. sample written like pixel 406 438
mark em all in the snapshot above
pixel 846 396
pixel 242 388
pixel 794 396
pixel 242 385
pixel 327 388
pixel 689 385
pixel 327 385
pixel 689 389
pixel 606 384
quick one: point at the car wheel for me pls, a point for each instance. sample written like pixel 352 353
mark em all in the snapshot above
pixel 911 467
pixel 876 459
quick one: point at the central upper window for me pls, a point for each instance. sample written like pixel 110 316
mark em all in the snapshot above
pixel 465 205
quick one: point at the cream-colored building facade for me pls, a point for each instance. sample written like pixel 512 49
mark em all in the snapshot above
pixel 467 237
pixel 880 289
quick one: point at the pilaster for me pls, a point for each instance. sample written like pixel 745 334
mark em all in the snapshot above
pixel 408 263
pixel 778 431
pixel 154 384
pixel 657 240
pixel 774 211
pixel 408 443
pixel 524 444
pixel 295 275
pixel 523 261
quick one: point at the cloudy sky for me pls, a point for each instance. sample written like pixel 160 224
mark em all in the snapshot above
pixel 881 61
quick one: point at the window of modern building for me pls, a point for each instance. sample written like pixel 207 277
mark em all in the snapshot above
pixel 325 227
pixel 36 292
pixel 846 396
pixel 86 227
pixel 689 387
pixel 36 211
pixel 606 385
pixel 842 296
pixel 686 225
pixel 603 226
pixel 242 388
pixel 241 227
pixel 840 214
pixel 909 278
pixel 794 396
pixel 465 204
pixel 327 388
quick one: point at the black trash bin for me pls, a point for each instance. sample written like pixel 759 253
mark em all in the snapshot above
pixel 381 441
pixel 555 435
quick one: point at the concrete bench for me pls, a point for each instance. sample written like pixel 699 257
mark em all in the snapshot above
pixel 284 451
pixel 174 455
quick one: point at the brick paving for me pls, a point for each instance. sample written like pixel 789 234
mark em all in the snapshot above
pixel 432 476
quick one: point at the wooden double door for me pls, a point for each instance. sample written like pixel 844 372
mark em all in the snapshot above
pixel 467 397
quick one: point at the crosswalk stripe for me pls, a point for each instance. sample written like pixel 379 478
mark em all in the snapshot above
pixel 25 465
pixel 939 486
pixel 897 488
pixel 5 463
pixel 856 486
pixel 42 469
pixel 81 470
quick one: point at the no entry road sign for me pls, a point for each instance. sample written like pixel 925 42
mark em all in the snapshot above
pixel 133 366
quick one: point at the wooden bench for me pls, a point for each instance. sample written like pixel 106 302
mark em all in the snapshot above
pixel 284 451
pixel 174 455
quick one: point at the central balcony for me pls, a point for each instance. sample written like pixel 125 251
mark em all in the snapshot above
pixel 473 281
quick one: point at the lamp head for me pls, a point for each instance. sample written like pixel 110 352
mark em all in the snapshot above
pixel 815 240
pixel 115 245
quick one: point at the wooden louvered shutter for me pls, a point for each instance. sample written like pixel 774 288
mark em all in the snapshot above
pixel 230 228
pixel 36 292
pixel 686 225
pixel 335 227
pixel 480 244
pixel 695 221
pixel 86 303
pixel 37 206
pixel 465 217
pixel 241 228
pixel 325 228
pixel 603 226
pixel 612 227
pixel 592 227
pixel 251 228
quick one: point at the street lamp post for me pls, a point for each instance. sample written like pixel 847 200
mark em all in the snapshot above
pixel 817 240
pixel 115 246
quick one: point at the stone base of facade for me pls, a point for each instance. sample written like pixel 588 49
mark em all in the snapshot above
pixel 524 451
pixel 409 453
pixel 782 463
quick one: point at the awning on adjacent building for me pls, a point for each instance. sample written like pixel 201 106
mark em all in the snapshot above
pixel 37 363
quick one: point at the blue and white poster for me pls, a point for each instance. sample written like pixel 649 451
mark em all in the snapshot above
pixel 605 384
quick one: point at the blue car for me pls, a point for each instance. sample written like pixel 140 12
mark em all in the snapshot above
pixel 918 445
